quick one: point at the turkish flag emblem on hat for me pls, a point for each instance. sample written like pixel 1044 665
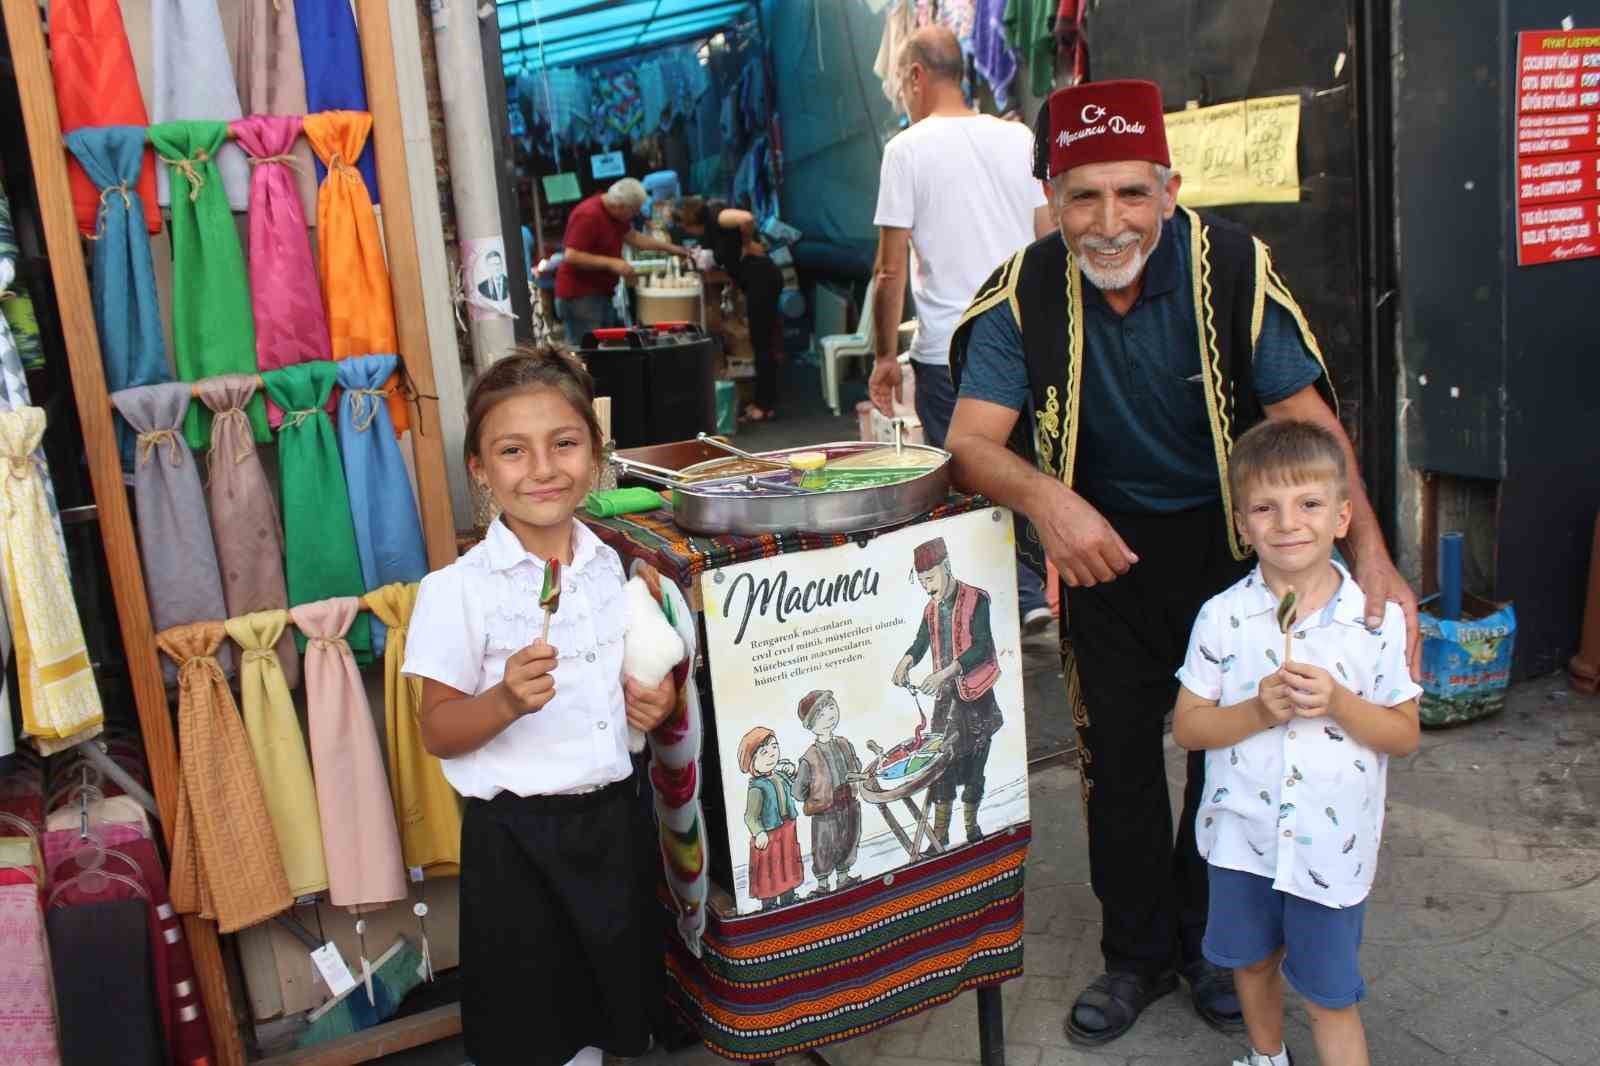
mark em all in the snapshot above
pixel 1107 122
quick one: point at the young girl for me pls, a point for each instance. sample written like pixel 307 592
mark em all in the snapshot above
pixel 769 814
pixel 560 946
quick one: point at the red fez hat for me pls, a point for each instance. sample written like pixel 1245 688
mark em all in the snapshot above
pixel 810 702
pixel 1107 122
pixel 930 554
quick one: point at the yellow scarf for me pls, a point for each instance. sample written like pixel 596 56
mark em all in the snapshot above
pixel 425 806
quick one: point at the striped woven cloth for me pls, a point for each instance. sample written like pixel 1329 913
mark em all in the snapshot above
pixel 770 985
pixel 654 537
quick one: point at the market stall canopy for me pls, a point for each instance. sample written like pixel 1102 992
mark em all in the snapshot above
pixel 558 33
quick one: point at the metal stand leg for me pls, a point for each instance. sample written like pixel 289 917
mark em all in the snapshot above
pixel 991 1027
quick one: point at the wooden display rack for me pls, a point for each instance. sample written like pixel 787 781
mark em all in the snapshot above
pixel 49 154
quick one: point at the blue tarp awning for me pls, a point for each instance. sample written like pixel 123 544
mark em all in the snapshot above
pixel 559 33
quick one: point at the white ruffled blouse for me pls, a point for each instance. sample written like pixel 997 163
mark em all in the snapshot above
pixel 477 612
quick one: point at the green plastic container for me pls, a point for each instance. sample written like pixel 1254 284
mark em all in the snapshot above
pixel 727 408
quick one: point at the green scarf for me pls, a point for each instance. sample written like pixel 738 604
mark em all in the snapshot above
pixel 319 537
pixel 213 331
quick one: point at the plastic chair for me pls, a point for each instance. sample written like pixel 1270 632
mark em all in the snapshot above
pixel 845 346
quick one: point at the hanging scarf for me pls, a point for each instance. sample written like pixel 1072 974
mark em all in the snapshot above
pixel 355 280
pixel 175 542
pixel 14 392
pixel 425 806
pixel 272 81
pixel 382 504
pixel 123 276
pixel 244 512
pixel 290 325
pixel 319 538
pixel 96 85
pixel 335 79
pixel 27 1010
pixel 280 749
pixel 60 703
pixel 359 837
pixel 212 329
pixel 225 859
pixel 194 80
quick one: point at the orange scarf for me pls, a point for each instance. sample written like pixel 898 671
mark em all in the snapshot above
pixel 355 278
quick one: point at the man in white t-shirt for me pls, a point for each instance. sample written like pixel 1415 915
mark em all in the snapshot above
pixel 956 197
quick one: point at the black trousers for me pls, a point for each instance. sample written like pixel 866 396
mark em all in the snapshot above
pixel 561 935
pixel 1128 639
pixel 762 283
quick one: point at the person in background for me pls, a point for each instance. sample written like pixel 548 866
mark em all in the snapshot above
pixel 731 236
pixel 592 257
pixel 1123 466
pixel 956 197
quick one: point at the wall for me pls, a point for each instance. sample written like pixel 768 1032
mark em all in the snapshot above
pixel 1497 361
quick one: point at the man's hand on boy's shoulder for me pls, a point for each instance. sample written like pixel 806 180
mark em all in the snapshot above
pixel 1383 585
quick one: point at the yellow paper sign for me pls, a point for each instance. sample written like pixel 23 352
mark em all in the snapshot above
pixel 1239 153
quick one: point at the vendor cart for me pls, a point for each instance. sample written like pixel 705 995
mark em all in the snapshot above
pixel 908 921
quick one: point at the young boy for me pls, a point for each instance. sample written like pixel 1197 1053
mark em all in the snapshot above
pixel 1297 740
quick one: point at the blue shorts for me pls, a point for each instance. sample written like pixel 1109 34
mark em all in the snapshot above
pixel 1249 920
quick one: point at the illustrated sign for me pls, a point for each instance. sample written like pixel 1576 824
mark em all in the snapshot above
pixel 608 165
pixel 1240 153
pixel 1558 148
pixel 868 705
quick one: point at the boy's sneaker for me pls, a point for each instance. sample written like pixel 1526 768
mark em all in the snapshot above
pixel 1037 621
pixel 1256 1058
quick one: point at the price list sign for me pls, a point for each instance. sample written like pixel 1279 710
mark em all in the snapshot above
pixel 1558 146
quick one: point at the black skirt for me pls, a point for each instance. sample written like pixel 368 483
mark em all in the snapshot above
pixel 561 935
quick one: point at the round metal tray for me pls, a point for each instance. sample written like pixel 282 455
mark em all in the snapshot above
pixel 851 510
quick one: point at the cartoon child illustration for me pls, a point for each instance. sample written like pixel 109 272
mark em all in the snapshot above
pixel 955 626
pixel 769 814
pixel 827 793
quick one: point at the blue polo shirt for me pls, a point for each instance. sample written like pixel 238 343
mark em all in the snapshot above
pixel 1144 439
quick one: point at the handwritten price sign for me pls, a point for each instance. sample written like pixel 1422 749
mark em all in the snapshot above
pixel 1558 150
pixel 1239 153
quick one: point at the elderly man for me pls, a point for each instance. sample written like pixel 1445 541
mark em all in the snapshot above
pixel 592 257
pixel 1137 345
pixel 955 200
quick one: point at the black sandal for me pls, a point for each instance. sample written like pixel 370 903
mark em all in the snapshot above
pixel 1216 999
pixel 1120 997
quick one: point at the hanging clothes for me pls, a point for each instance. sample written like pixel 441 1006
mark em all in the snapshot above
pixel 280 748
pixel 212 328
pixel 991 54
pixel 318 534
pixel 359 837
pixel 290 324
pixel 355 277
pixel 1071 40
pixel 27 1010
pixel 425 806
pixel 122 884
pixel 194 80
pixel 244 513
pixel 184 1012
pixel 1028 31
pixel 225 859
pixel 126 312
pixel 335 79
pixel 14 393
pixel 382 504
pixel 96 85
pixel 272 81
pixel 898 26
pixel 60 703
pixel 175 541
pixel 103 975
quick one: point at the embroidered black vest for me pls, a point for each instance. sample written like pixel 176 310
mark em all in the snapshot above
pixel 1232 277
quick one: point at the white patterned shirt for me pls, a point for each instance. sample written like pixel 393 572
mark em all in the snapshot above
pixel 1300 803
pixel 475 613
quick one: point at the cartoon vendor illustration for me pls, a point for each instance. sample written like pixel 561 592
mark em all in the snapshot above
pixel 826 789
pixel 955 626
pixel 769 814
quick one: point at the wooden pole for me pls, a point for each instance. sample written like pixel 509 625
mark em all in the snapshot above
pixel 400 239
pixel 43 125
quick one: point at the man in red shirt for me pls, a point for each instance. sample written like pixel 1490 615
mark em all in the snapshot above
pixel 596 231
